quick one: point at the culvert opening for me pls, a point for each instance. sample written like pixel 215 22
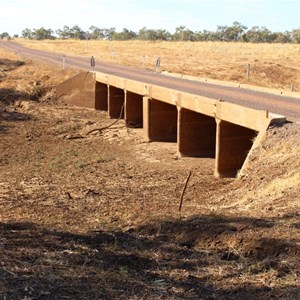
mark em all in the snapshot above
pixel 197 134
pixel 101 96
pixel 234 144
pixel 116 98
pixel 163 121
pixel 134 110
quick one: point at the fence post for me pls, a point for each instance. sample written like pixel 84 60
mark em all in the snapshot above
pixel 248 71
pixel 292 87
pixel 93 63
pixel 63 62
pixel 157 68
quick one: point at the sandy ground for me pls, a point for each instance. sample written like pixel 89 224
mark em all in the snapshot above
pixel 96 216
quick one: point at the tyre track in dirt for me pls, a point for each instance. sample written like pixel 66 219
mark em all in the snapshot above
pixel 288 106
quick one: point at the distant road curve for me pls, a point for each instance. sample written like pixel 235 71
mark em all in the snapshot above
pixel 287 106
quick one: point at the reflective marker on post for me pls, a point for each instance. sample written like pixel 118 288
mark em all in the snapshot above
pixel 93 63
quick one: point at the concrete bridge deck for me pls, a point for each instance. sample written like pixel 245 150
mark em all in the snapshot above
pixel 201 126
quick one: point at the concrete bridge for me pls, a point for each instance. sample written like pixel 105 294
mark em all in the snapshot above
pixel 201 126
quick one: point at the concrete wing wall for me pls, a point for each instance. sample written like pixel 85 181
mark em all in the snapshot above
pixel 78 90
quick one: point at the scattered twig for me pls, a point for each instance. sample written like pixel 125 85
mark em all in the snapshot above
pixel 69 196
pixel 183 191
pixel 108 126
pixel 74 137
pixel 9 272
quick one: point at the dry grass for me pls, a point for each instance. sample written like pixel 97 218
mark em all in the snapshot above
pixel 27 80
pixel 272 65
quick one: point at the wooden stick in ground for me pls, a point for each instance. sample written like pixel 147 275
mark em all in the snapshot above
pixel 183 191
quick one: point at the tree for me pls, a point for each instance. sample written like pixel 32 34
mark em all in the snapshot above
pixel 64 33
pixel 124 35
pixel 77 33
pixel 233 33
pixel 296 35
pixel 27 33
pixel 285 37
pixel 236 31
pixel 183 34
pixel 153 34
pixel 97 33
pixel 4 35
pixel 259 35
pixel 108 33
pixel 43 34
pixel 206 35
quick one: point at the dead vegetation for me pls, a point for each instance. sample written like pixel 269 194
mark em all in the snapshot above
pixel 272 65
pixel 95 216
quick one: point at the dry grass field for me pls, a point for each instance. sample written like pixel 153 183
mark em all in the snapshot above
pixel 272 65
pixel 95 216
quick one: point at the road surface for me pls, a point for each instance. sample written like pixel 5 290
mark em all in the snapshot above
pixel 287 106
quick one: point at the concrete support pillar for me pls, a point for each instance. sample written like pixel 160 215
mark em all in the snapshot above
pixel 232 147
pixel 160 121
pixel 116 98
pixel 133 110
pixel 196 134
pixel 101 96
pixel 146 118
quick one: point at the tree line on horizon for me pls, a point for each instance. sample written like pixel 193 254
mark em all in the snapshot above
pixel 237 32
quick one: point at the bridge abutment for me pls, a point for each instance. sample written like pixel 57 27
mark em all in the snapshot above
pixel 78 90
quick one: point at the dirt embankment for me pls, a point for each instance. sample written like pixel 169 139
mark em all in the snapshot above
pixel 96 216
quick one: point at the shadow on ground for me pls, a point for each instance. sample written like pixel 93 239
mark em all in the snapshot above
pixel 7 116
pixel 176 259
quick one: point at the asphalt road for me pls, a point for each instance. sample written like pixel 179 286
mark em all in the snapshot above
pixel 287 106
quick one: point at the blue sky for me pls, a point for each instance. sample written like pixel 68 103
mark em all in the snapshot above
pixel 277 15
